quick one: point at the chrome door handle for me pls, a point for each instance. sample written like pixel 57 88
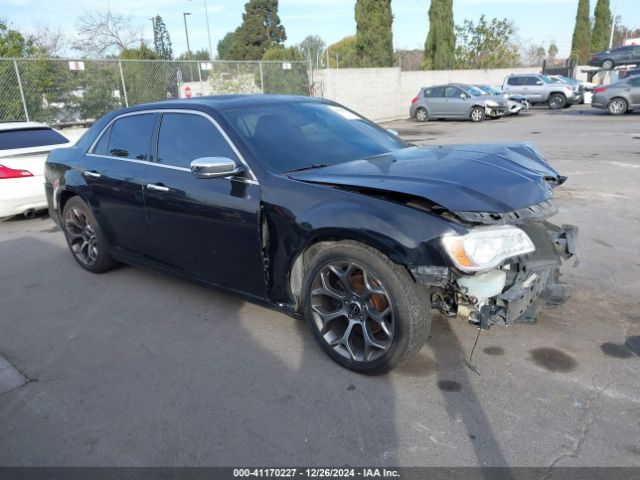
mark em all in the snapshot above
pixel 157 188
pixel 91 174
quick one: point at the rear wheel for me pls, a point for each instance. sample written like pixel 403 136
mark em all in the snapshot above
pixel 617 106
pixel 477 114
pixel 557 101
pixel 422 115
pixel 607 64
pixel 364 311
pixel 85 238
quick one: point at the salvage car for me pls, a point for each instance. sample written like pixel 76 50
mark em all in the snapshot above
pixel 23 149
pixel 456 101
pixel 516 103
pixel 618 98
pixel 304 206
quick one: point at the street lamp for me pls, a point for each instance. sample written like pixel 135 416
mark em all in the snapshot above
pixel 206 14
pixel 186 32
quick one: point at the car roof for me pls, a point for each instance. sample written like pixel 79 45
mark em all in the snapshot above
pixel 227 102
pixel 4 126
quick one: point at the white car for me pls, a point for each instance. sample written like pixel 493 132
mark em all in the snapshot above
pixel 24 147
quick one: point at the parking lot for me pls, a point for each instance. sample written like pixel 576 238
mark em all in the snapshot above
pixel 134 368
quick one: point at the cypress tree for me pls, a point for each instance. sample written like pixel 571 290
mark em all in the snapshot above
pixel 601 27
pixel 581 42
pixel 439 48
pixel 161 39
pixel 260 30
pixel 374 36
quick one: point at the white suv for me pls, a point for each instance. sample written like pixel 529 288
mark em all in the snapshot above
pixel 24 147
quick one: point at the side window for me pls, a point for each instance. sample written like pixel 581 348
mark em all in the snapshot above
pixel 103 143
pixel 516 81
pixel 635 82
pixel 531 81
pixel 131 137
pixel 434 92
pixel 453 92
pixel 185 137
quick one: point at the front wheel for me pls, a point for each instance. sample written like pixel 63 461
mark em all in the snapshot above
pixel 84 237
pixel 607 64
pixel 557 101
pixel 364 311
pixel 477 114
pixel 617 106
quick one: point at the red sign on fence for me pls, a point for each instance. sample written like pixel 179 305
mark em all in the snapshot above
pixel 187 92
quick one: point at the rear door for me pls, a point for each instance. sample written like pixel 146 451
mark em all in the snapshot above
pixel 434 100
pixel 205 228
pixel 114 170
pixel 533 88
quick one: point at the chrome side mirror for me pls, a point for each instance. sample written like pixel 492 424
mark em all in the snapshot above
pixel 213 167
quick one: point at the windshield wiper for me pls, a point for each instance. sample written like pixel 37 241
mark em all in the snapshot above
pixel 309 167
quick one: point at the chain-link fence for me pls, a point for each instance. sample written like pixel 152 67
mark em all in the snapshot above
pixel 58 91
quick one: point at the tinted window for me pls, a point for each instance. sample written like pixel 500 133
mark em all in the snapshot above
pixel 626 49
pixel 131 137
pixel 434 92
pixel 635 82
pixel 103 143
pixel 30 137
pixel 531 81
pixel 185 137
pixel 293 135
pixel 515 81
pixel 453 92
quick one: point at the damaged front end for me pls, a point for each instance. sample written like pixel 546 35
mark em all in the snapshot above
pixel 515 289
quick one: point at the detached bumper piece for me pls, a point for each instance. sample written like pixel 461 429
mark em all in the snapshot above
pixel 534 279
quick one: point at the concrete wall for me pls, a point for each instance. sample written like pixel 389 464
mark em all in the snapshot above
pixel 385 93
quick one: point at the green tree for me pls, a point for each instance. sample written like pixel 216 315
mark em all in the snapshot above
pixel 285 77
pixel 552 52
pixel 312 47
pixel 342 54
pixel 161 39
pixel 260 30
pixel 224 46
pixel 147 81
pixel 200 55
pixel 101 82
pixel 581 42
pixel 374 37
pixel 487 44
pixel 601 26
pixel 14 44
pixel 439 48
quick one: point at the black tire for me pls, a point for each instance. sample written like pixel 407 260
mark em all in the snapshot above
pixel 617 106
pixel 422 115
pixel 557 101
pixel 405 305
pixel 85 238
pixel 477 114
pixel 607 64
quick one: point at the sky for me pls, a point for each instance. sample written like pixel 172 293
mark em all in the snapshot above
pixel 538 21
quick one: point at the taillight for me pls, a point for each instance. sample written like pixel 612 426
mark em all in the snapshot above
pixel 415 99
pixel 6 172
pixel 599 89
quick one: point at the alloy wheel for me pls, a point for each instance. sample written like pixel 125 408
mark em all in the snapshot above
pixel 82 236
pixel 476 115
pixel 421 115
pixel 617 106
pixel 352 311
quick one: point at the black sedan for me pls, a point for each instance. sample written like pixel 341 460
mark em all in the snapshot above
pixel 614 57
pixel 303 205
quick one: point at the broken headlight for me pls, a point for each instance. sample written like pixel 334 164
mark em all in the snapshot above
pixel 486 247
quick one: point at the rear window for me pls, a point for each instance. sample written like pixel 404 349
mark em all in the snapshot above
pixel 434 92
pixel 30 137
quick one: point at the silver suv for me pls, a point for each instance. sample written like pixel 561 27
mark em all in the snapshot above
pixel 541 89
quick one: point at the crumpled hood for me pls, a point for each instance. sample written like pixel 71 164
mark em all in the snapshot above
pixel 461 178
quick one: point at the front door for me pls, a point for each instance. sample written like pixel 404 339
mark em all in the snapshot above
pixel 114 171
pixel 205 228
pixel 457 105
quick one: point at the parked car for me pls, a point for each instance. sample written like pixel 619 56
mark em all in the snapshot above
pixel 618 98
pixel 23 149
pixel 614 57
pixel 541 89
pixel 577 87
pixel 456 101
pixel 304 206
pixel 586 86
pixel 516 103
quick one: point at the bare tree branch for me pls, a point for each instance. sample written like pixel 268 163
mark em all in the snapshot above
pixel 103 32
pixel 50 39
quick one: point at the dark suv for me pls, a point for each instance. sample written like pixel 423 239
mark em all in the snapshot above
pixel 613 57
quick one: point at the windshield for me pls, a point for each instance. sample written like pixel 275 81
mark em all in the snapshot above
pixel 546 79
pixel 490 90
pixel 292 136
pixel 475 91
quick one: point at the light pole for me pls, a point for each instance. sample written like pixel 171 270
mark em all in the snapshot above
pixel 153 22
pixel 186 32
pixel 206 15
pixel 613 23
